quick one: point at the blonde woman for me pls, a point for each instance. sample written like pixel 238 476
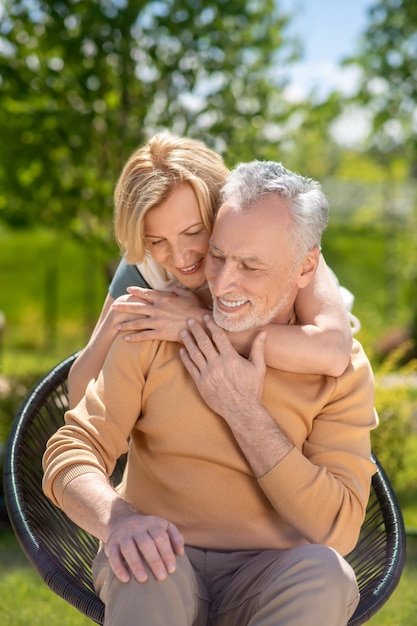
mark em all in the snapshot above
pixel 165 204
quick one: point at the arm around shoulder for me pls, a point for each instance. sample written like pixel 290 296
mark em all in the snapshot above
pixel 321 341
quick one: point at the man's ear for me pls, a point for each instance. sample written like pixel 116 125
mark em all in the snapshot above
pixel 308 267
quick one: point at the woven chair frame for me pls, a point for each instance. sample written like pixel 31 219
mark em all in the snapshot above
pixel 62 553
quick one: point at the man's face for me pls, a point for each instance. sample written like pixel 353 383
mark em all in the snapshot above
pixel 250 266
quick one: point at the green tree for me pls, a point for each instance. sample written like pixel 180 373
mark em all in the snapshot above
pixel 83 82
pixel 310 146
pixel 388 88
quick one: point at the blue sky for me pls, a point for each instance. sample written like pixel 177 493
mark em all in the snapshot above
pixel 329 30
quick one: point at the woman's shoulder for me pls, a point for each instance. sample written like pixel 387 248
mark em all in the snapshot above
pixel 126 276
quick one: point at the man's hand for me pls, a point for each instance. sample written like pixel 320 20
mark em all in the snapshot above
pixel 232 387
pixel 226 381
pixel 136 539
pixel 130 539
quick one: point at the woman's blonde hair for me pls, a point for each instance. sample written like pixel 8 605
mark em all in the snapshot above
pixel 151 174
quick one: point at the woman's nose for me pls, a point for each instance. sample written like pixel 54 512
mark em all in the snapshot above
pixel 180 255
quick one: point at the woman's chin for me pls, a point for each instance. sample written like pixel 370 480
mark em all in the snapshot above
pixel 192 281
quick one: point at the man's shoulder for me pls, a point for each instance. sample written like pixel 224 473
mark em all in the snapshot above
pixel 140 351
pixel 359 370
pixel 358 354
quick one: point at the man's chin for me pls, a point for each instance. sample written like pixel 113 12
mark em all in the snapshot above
pixel 230 324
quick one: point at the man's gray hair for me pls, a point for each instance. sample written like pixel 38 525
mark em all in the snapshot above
pixel 308 205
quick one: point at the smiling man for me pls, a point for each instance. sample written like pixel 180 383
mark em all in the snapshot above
pixel 253 280
pixel 244 485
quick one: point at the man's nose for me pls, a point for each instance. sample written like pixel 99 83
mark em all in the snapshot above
pixel 225 280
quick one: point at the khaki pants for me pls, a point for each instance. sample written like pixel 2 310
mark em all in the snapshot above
pixel 309 585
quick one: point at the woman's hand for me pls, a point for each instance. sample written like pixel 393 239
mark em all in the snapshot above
pixel 153 314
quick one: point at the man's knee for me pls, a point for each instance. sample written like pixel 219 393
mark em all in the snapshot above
pixel 323 578
pixel 323 568
pixel 335 570
pixel 176 600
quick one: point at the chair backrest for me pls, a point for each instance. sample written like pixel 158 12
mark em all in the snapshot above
pixel 62 553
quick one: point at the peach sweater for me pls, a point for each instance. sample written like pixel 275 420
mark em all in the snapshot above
pixel 185 465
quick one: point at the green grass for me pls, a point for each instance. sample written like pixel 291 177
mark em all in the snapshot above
pixel 52 289
pixel 25 598
pixel 406 485
pixel 400 610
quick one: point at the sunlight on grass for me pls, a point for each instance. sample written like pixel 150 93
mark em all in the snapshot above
pixel 406 488
pixel 25 599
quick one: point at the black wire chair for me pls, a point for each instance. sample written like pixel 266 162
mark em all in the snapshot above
pixel 62 553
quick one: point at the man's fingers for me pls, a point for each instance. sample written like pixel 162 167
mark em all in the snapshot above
pixel 166 550
pixel 177 540
pixel 257 353
pixel 119 565
pixel 144 544
pixel 189 365
pixel 149 547
pixel 202 339
pixel 192 340
pixel 219 337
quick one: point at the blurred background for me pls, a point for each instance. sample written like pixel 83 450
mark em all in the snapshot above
pixel 329 89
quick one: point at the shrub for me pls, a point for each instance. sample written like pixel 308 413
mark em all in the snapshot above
pixel 396 404
pixel 12 393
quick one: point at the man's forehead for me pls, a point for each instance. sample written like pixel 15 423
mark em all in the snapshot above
pixel 248 239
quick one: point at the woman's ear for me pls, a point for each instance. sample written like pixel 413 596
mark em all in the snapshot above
pixel 308 267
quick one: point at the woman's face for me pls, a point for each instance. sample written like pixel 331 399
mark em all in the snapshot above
pixel 177 238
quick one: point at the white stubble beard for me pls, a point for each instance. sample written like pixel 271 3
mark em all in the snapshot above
pixel 251 320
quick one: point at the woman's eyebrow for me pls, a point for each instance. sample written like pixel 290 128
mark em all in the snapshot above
pixel 183 231
pixel 192 226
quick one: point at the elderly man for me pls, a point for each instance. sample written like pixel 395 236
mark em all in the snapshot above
pixel 244 485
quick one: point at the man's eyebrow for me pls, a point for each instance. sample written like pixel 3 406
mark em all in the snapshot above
pixel 252 260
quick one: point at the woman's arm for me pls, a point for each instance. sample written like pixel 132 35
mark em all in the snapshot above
pixel 138 312
pixel 320 343
pixel 90 360
pixel 164 314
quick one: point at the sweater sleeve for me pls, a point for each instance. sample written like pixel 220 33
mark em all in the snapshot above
pixel 96 432
pixel 322 488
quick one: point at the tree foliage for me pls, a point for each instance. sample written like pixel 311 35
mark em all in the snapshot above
pixel 389 89
pixel 84 82
pixel 389 85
